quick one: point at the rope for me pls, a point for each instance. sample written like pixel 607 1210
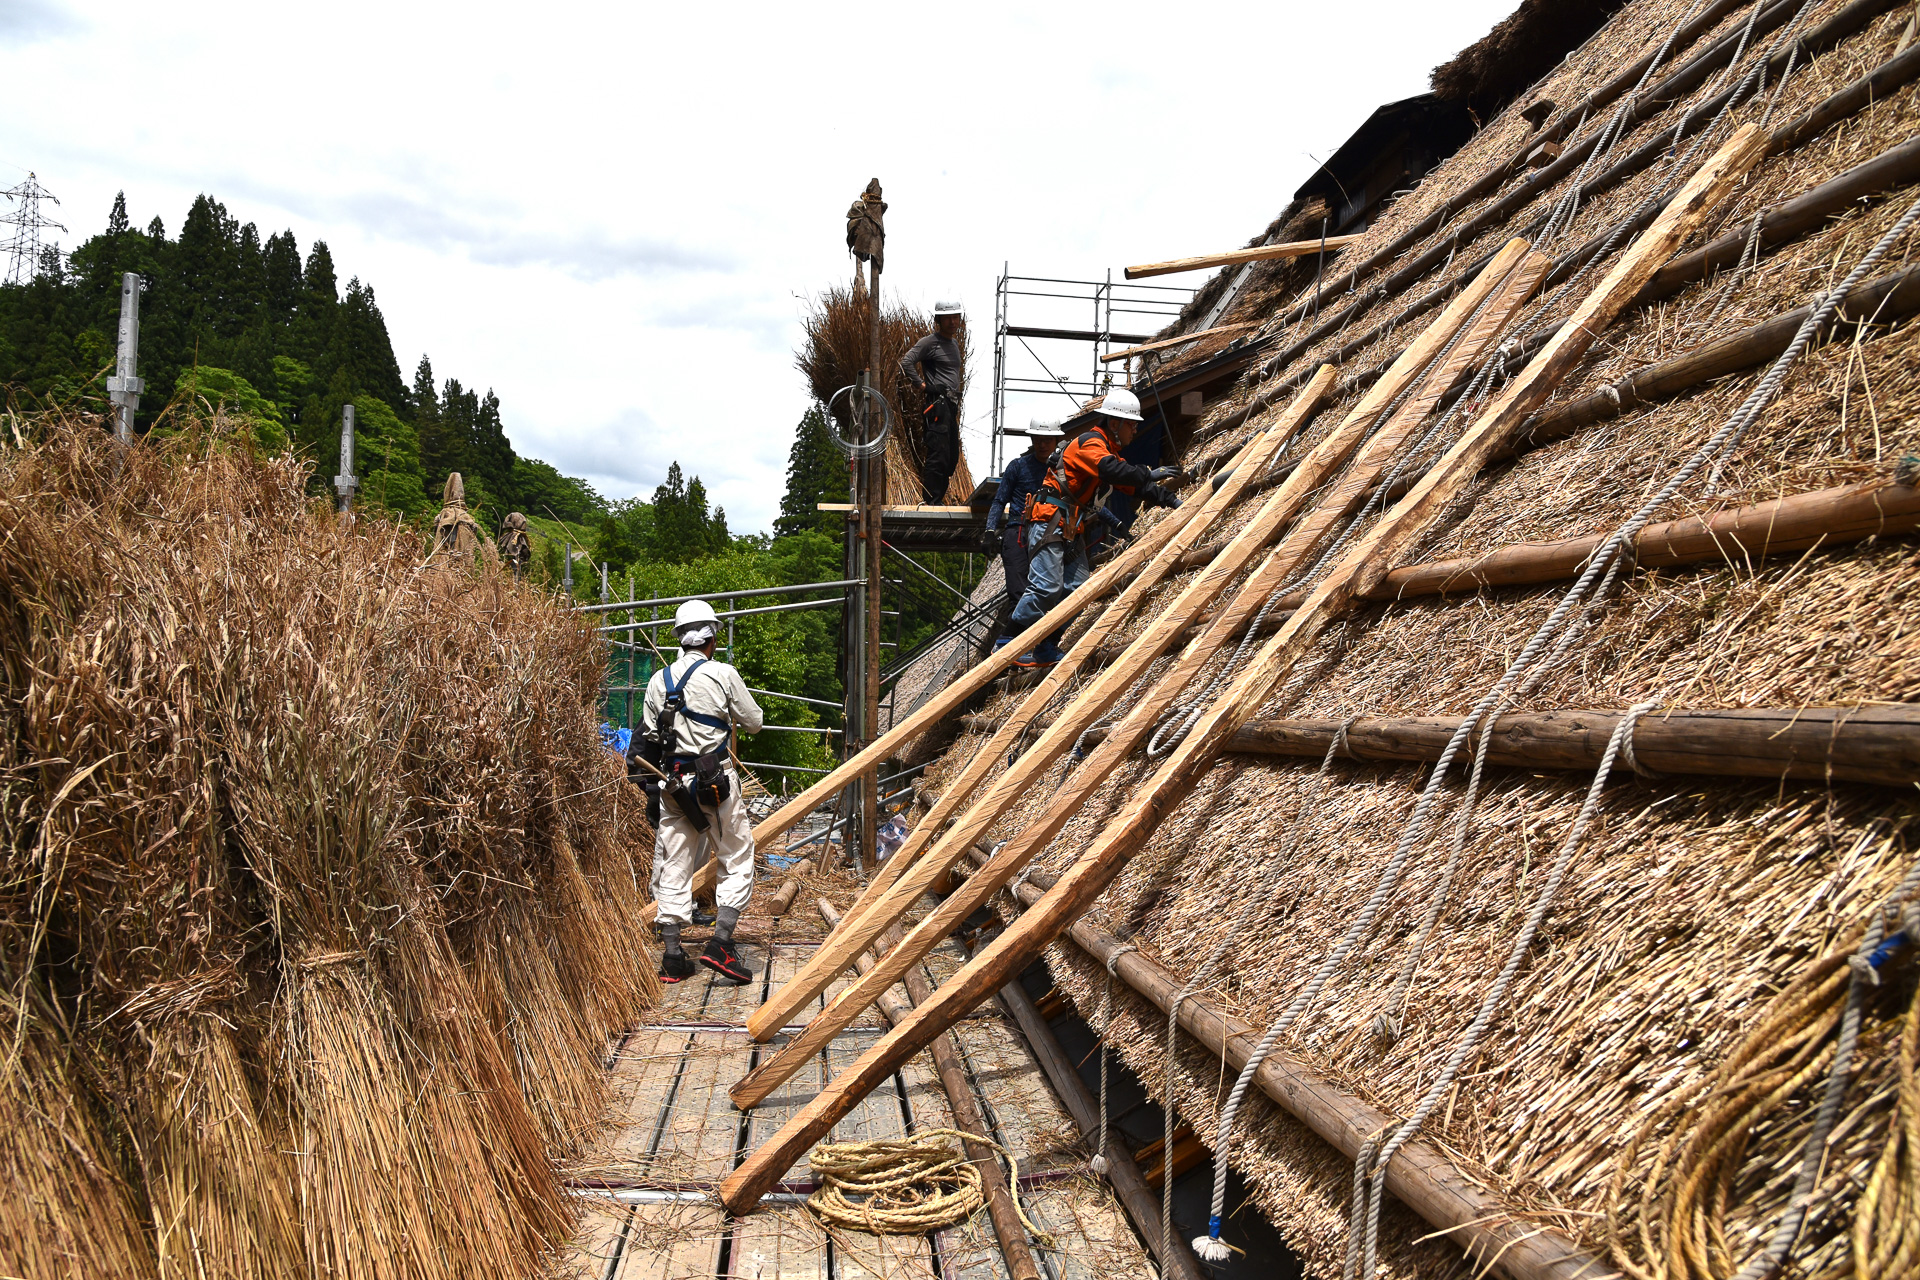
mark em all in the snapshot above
pixel 1685 1191
pixel 1099 1161
pixel 906 1187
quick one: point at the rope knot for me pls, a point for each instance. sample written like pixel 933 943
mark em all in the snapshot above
pixel 1626 739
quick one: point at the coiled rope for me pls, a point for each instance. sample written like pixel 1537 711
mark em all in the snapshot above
pixel 907 1187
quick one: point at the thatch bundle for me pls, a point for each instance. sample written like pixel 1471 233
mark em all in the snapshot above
pixel 839 344
pixel 318 901
pixel 1686 974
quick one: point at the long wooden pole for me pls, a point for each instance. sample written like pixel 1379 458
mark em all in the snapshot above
pixel 889 895
pixel 1513 274
pixel 1260 253
pixel 1420 1175
pixel 1110 851
pixel 1001 1211
pixel 1179 341
pixel 1840 744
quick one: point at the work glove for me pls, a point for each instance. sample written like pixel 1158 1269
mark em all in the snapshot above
pixel 990 540
pixel 1160 475
pixel 1160 497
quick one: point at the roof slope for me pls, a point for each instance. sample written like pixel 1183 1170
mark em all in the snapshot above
pixel 1692 901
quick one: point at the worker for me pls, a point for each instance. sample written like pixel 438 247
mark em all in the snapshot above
pixel 1006 532
pixel 935 367
pixel 515 547
pixel 1064 511
pixel 686 732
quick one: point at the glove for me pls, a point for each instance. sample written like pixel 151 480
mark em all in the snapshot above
pixel 1160 497
pixel 990 540
pixel 1160 475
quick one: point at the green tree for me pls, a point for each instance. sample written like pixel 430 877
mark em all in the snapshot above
pixel 816 473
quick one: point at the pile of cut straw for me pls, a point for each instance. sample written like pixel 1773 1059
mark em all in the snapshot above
pixel 318 903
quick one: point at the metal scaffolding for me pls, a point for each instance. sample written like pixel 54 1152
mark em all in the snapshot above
pixel 1019 368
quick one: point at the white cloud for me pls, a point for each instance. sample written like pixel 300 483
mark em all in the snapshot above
pixel 608 213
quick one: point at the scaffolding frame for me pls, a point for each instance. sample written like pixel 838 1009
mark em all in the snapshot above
pixel 1105 300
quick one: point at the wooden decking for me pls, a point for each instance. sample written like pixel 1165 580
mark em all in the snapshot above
pixel 672 1134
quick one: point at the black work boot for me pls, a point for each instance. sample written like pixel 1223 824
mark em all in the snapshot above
pixel 725 961
pixel 675 967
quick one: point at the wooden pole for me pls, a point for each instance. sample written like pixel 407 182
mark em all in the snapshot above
pixel 1175 1256
pixel 1260 253
pixel 1001 1210
pixel 782 901
pixel 1513 274
pixel 1108 853
pixel 1179 341
pixel 888 896
pixel 1420 1176
pixel 1840 744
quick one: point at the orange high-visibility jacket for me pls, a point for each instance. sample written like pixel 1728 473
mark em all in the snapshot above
pixel 1076 474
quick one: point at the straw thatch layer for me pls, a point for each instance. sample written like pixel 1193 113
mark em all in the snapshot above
pixel 319 899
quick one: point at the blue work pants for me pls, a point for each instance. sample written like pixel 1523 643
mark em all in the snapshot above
pixel 1053 572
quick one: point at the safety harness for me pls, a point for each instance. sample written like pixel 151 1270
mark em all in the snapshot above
pixel 1057 511
pixel 711 784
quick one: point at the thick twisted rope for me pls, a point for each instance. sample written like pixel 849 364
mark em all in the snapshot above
pixel 903 1187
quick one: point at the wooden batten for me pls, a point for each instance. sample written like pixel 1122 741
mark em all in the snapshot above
pixel 1261 253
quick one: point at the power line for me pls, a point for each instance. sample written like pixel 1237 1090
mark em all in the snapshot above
pixel 23 250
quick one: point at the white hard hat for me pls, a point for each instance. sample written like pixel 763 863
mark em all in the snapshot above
pixel 1045 427
pixel 946 309
pixel 1121 403
pixel 692 614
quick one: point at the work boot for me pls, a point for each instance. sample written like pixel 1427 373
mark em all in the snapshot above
pixel 675 967
pixel 725 961
pixel 1001 643
pixel 1027 660
pixel 702 917
pixel 1048 653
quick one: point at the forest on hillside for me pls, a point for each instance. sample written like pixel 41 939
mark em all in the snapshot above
pixel 266 333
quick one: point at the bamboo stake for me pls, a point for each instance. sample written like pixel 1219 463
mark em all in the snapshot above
pixel 889 895
pixel 1420 1176
pixel 1180 340
pixel 1110 851
pixel 1514 272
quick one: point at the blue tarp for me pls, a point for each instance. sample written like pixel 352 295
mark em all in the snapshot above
pixel 615 740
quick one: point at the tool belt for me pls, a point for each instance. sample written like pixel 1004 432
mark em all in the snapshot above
pixel 712 784
pixel 1052 517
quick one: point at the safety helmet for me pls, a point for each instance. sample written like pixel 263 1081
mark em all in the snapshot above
pixel 692 614
pixel 946 309
pixel 1121 403
pixel 1045 427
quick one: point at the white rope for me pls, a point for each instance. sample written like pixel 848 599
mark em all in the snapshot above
pixel 1099 1161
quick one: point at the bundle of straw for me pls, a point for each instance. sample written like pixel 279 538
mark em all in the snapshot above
pixel 290 856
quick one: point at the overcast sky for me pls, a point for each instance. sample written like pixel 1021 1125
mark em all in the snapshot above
pixel 613 214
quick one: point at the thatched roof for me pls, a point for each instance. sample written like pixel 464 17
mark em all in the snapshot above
pixel 1693 902
pixel 1522 48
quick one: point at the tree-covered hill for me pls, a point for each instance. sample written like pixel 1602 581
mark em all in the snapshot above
pixel 254 325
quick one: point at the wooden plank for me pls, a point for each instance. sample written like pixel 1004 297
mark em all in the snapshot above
pixel 1103 583
pixel 1109 852
pixel 1179 341
pixel 1512 273
pixel 671 1242
pixel 1419 1176
pixel 1843 744
pixel 903 878
pixel 1234 257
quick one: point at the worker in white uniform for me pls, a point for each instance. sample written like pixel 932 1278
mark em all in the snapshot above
pixel 691 710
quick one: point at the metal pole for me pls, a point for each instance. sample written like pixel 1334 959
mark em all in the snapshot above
pixel 997 454
pixel 346 482
pixel 604 595
pixel 630 659
pixel 566 566
pixel 125 386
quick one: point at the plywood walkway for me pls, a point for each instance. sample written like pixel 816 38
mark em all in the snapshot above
pixel 672 1134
